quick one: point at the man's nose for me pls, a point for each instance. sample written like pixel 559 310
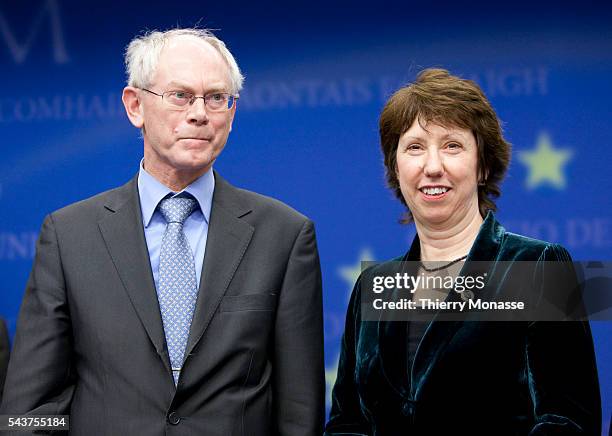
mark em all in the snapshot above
pixel 196 111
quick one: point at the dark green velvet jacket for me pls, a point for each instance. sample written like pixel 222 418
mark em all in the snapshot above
pixel 469 378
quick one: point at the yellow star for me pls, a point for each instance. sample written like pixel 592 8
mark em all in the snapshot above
pixel 351 273
pixel 330 378
pixel 545 163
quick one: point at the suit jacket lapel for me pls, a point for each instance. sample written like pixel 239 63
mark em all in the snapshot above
pixel 123 232
pixel 228 238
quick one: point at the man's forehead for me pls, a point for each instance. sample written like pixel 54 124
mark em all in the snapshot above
pixel 189 43
pixel 184 57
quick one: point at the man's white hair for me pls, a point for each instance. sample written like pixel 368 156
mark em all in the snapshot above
pixel 142 55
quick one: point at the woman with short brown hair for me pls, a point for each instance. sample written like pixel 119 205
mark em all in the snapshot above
pixel 445 157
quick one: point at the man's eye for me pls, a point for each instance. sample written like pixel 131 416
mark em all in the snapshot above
pixel 216 97
pixel 180 95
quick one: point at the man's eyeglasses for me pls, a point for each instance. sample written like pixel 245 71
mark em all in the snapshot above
pixel 214 102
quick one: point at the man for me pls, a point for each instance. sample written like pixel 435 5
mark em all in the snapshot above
pixel 114 329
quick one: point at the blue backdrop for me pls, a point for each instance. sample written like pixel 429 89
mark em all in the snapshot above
pixel 305 132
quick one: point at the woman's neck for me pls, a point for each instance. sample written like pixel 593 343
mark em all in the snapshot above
pixel 442 243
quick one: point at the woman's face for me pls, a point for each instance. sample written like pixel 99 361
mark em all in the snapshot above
pixel 437 170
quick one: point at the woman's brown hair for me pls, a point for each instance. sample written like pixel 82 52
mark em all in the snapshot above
pixel 441 98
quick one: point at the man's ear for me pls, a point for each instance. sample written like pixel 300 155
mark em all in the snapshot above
pixel 133 108
pixel 233 114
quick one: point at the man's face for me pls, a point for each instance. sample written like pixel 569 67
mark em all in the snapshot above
pixel 184 140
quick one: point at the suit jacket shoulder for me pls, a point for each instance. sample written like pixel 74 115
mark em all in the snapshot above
pixel 91 207
pixel 225 196
pixel 251 202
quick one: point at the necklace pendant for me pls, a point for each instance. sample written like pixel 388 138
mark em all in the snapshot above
pixel 467 295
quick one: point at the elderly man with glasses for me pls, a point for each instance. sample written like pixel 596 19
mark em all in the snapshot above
pixel 177 303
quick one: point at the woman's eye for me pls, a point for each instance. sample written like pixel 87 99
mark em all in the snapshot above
pixel 453 146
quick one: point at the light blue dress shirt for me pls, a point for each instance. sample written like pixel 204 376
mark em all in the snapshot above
pixel 151 192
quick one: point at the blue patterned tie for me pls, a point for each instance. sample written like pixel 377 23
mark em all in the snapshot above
pixel 177 288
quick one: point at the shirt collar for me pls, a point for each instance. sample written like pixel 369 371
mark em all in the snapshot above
pixel 151 191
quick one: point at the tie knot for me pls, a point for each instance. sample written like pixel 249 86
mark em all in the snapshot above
pixel 177 209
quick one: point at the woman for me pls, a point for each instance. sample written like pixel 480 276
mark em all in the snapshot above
pixel 445 157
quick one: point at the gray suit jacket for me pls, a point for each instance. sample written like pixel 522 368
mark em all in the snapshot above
pixel 90 340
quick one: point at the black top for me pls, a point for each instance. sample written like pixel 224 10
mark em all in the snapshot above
pixel 477 378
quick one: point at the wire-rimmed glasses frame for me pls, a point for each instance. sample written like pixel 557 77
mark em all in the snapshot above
pixel 214 102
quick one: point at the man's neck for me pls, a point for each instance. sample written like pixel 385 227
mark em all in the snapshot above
pixel 174 179
pixel 447 244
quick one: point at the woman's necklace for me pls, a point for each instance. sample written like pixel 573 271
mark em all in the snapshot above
pixel 443 266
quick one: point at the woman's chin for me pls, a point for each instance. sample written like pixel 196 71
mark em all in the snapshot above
pixel 434 218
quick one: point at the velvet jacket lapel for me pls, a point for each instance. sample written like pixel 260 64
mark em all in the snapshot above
pixel 392 335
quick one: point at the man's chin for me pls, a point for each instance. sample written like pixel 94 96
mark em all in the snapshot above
pixel 193 162
pixel 193 166
pixel 194 143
